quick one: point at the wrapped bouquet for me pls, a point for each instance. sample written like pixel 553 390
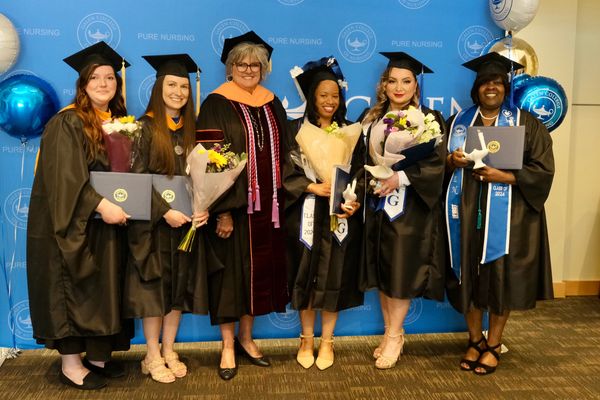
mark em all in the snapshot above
pixel 400 139
pixel 119 137
pixel 212 171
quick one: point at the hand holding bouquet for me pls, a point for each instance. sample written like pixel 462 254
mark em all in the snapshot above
pixel 212 171
pixel 119 135
pixel 398 132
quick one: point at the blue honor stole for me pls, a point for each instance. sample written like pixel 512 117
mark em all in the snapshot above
pixel 497 223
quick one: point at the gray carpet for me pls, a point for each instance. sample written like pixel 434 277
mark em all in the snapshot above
pixel 554 353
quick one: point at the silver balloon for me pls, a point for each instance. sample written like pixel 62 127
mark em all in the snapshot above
pixel 513 15
pixel 9 44
pixel 517 50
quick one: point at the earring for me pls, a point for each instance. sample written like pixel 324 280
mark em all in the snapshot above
pixel 229 78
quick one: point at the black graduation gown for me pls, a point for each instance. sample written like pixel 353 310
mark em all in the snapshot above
pixel 516 280
pixel 159 278
pixel 74 261
pixel 404 258
pixel 247 271
pixel 329 271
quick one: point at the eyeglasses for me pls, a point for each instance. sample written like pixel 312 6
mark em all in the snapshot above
pixel 243 67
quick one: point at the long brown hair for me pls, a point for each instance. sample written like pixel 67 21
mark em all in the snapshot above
pixel 92 126
pixel 383 102
pixel 162 157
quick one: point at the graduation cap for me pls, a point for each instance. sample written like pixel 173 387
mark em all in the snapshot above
pixel 250 36
pixel 180 65
pixel 99 53
pixel 400 59
pixel 172 64
pixel 323 69
pixel 492 63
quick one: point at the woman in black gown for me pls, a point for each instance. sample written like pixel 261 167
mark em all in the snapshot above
pixel 404 247
pixel 158 274
pixel 520 274
pixel 245 246
pixel 323 275
pixel 75 261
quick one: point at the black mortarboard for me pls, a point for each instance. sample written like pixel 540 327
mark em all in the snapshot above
pixel 325 68
pixel 172 64
pixel 400 59
pixel 491 64
pixel 250 36
pixel 99 53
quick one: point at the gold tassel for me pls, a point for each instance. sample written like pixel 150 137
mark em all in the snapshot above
pixel 197 92
pixel 270 67
pixel 124 87
pixel 333 223
pixel 188 240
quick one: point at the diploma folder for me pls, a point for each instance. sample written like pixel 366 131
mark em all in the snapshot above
pixel 175 190
pixel 415 154
pixel 505 144
pixel 340 178
pixel 130 191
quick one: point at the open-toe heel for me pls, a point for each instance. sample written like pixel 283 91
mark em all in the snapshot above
pixel 469 365
pixel 378 349
pixel 484 369
pixel 178 368
pixel 306 358
pixel 386 362
pixel 157 370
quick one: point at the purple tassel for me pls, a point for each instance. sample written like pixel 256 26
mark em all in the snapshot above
pixel 250 211
pixel 257 197
pixel 275 212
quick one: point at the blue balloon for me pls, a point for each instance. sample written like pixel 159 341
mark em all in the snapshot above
pixel 26 104
pixel 544 98
pixel 519 81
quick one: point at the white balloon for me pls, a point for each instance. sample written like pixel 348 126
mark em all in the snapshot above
pixel 9 44
pixel 513 15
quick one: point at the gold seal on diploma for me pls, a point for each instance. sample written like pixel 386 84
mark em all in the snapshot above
pixel 120 195
pixel 168 195
pixel 493 146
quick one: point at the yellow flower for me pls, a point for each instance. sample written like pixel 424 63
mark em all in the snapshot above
pixel 215 158
pixel 127 120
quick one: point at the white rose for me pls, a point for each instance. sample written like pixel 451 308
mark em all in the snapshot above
pixel 415 117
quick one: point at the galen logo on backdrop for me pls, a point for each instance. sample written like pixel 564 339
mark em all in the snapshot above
pixel 96 27
pixel 357 42
pixel 226 29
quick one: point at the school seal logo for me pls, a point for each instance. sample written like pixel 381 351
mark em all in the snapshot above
pixel 168 195
pixel 226 29
pixel 472 40
pixel 414 312
pixel 287 321
pixel 357 42
pixel 16 207
pixel 19 320
pixel 97 27
pixel 414 4
pixel 120 195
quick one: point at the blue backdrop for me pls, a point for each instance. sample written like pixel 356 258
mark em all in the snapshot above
pixel 353 31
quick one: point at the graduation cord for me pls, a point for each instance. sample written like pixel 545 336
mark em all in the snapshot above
pixel 479 214
pixel 257 127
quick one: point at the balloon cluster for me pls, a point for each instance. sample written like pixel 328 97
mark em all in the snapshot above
pixel 542 96
pixel 26 101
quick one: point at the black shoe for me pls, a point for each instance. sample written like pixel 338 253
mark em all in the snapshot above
pixel 485 369
pixel 92 381
pixel 480 346
pixel 227 373
pixel 259 361
pixel 112 369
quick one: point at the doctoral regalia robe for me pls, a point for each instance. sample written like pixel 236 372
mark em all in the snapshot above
pixel 159 277
pixel 404 258
pixel 516 280
pixel 247 271
pixel 327 273
pixel 74 261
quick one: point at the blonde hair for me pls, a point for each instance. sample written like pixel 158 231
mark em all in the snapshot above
pixel 252 50
pixel 383 102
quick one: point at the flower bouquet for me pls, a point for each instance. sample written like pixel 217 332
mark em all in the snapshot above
pixel 327 148
pixel 212 171
pixel 400 139
pixel 119 135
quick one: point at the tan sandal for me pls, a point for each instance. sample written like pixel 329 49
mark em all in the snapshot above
pixel 304 357
pixel 178 368
pixel 158 370
pixel 325 361
pixel 385 362
pixel 378 349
